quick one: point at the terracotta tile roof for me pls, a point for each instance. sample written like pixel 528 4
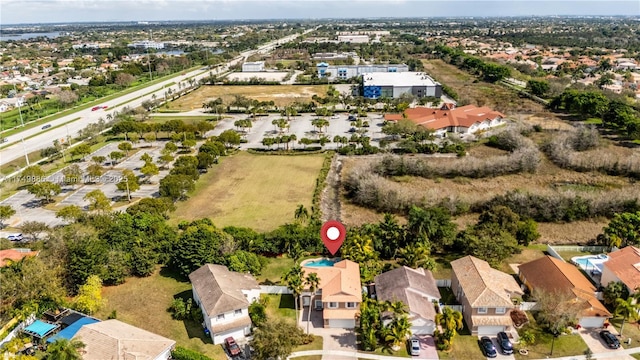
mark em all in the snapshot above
pixel 115 340
pixel 340 282
pixel 625 264
pixel 13 255
pixel 414 287
pixel 554 275
pixel 444 117
pixel 220 290
pixel 484 286
pixel 339 313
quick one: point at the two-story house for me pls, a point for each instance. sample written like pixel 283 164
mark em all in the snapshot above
pixel 224 297
pixel 339 293
pixel 417 289
pixel 624 266
pixel 486 295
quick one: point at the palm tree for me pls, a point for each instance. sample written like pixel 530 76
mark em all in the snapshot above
pixel 63 349
pixel 312 281
pixel 399 330
pixel 293 279
pixel 301 214
pixel 415 256
pixel 451 321
pixel 627 309
pixel 398 308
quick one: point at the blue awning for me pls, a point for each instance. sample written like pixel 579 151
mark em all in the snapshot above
pixel 40 329
pixel 70 331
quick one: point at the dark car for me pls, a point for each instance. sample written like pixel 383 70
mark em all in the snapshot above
pixel 505 343
pixel 488 348
pixel 232 347
pixel 610 339
pixel 46 126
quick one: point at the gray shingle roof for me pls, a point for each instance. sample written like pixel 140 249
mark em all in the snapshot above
pixel 220 290
pixel 413 287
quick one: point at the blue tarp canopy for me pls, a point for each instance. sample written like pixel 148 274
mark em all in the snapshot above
pixel 71 330
pixel 40 329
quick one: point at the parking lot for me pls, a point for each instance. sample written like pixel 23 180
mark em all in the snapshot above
pixel 300 126
pixel 29 208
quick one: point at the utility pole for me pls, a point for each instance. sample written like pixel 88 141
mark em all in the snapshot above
pixel 19 106
pixel 24 148
pixel 149 55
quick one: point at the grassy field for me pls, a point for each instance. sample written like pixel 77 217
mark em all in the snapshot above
pixel 281 94
pixel 549 179
pixel 464 347
pixel 280 306
pixel 257 191
pixel 143 302
pixel 272 272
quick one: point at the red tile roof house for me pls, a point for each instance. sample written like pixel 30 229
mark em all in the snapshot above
pixel 463 120
pixel 14 255
pixel 486 295
pixel 623 265
pixel 551 275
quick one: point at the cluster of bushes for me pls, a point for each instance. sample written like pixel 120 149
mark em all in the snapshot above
pixel 561 207
pixel 251 81
pixel 321 182
pixel 488 71
pixel 180 353
pixel 185 310
pixel 567 151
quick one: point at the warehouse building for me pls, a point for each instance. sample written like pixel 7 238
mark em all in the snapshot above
pixel 392 85
pixel 343 72
pixel 253 66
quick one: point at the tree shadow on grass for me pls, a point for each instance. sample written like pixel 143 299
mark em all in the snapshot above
pixel 168 272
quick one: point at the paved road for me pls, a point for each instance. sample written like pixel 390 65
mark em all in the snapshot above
pixel 43 139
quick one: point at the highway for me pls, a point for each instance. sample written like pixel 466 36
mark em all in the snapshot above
pixel 39 139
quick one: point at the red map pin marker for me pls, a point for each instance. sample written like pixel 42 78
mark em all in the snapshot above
pixel 332 234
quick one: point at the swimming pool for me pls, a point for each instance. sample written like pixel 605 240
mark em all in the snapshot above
pixel 590 262
pixel 320 263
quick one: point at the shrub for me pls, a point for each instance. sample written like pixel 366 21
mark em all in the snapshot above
pixel 180 353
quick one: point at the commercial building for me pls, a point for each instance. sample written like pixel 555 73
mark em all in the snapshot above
pixel 393 84
pixel 253 66
pixel 147 44
pixel 359 39
pixel 344 72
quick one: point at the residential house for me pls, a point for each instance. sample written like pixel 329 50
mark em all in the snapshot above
pixel 13 255
pixel 486 294
pixel 417 289
pixel 449 118
pixel 115 340
pixel 339 293
pixel 554 275
pixel 224 297
pixel 624 266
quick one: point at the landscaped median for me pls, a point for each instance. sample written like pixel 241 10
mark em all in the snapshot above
pixel 40 133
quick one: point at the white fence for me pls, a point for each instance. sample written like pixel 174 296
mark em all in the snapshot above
pixel 453 307
pixel 274 289
pixel 591 249
pixel 443 283
pixel 527 306
pixel 17 329
pixel 552 251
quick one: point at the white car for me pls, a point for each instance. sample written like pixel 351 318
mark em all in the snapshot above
pixel 15 237
pixel 415 347
pixel 335 117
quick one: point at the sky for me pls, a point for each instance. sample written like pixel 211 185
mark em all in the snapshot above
pixel 67 11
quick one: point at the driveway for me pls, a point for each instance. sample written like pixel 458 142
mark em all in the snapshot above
pixel 592 338
pixel 498 349
pixel 427 347
pixel 333 339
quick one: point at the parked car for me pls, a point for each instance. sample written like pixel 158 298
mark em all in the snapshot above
pixel 488 348
pixel 335 117
pixel 15 237
pixel 415 347
pixel 610 339
pixel 351 118
pixel 232 346
pixel 46 126
pixel 505 343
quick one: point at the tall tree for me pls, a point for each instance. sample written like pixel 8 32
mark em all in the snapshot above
pixel 627 309
pixel 45 190
pixel 98 201
pixel 63 349
pixel 129 183
pixel 6 211
pixel 89 299
pixel 451 321
pixel 294 281
pixel 275 339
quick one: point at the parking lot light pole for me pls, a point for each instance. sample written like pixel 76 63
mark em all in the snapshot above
pixel 24 148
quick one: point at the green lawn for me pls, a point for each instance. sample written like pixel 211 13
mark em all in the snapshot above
pixel 594 121
pixel 464 347
pixel 143 302
pixel 630 330
pixel 565 345
pixel 273 271
pixel 280 306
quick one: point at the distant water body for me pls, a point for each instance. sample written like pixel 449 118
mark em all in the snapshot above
pixel 27 36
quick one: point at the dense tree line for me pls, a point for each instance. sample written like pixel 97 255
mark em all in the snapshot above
pixel 488 71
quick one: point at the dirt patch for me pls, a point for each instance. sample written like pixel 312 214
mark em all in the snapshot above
pixel 282 95
pixel 330 201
